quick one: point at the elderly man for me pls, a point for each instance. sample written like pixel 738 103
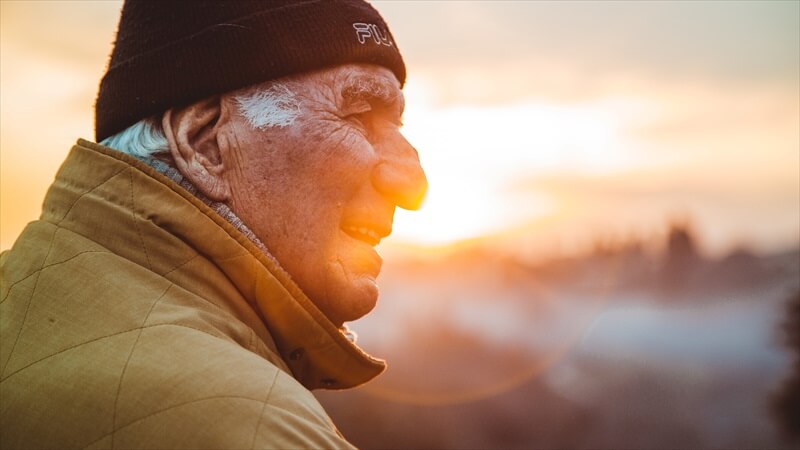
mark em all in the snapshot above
pixel 189 279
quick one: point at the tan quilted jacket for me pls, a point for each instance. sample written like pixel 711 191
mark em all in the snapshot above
pixel 134 316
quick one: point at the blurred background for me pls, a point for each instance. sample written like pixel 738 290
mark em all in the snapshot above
pixel 609 252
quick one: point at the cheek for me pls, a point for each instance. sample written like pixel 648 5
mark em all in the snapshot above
pixel 337 147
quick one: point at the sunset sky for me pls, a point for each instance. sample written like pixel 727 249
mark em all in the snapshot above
pixel 549 122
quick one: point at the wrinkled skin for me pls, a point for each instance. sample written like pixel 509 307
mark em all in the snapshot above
pixel 310 190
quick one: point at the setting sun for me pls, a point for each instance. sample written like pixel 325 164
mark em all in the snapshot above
pixel 473 155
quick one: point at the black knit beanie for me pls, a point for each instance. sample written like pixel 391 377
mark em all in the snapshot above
pixel 171 53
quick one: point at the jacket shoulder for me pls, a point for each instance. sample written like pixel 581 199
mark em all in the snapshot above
pixel 225 397
pixel 102 353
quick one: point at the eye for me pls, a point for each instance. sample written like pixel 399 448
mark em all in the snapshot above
pixel 358 119
pixel 357 113
pixel 362 121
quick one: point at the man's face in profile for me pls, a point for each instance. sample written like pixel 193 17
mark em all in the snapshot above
pixel 321 190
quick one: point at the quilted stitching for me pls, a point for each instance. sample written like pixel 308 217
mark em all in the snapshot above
pixel 169 408
pixel 138 232
pixel 92 189
pixel 64 350
pixel 72 347
pixel 181 264
pixel 11 287
pixel 128 359
pixel 28 303
pixel 263 408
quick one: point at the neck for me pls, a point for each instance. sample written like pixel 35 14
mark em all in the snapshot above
pixel 220 208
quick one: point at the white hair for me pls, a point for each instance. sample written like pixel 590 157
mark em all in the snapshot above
pixel 275 106
pixel 144 139
pixel 263 107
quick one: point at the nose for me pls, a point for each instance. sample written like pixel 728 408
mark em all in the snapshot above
pixel 399 175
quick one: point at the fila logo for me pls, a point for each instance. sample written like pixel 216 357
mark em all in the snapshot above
pixel 365 31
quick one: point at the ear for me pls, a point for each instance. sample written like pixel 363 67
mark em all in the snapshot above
pixel 197 147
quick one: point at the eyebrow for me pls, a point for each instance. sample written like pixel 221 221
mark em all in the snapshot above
pixel 371 89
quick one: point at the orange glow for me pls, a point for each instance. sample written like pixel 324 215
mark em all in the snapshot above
pixel 637 161
pixel 483 130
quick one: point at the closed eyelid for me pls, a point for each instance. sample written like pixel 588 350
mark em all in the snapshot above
pixel 364 111
pixel 358 107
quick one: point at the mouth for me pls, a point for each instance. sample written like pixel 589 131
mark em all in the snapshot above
pixel 365 233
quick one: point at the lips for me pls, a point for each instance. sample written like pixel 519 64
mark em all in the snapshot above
pixel 371 234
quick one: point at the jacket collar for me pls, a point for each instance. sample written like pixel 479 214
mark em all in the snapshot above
pixel 318 354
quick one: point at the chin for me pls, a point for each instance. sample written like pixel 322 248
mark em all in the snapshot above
pixel 351 299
